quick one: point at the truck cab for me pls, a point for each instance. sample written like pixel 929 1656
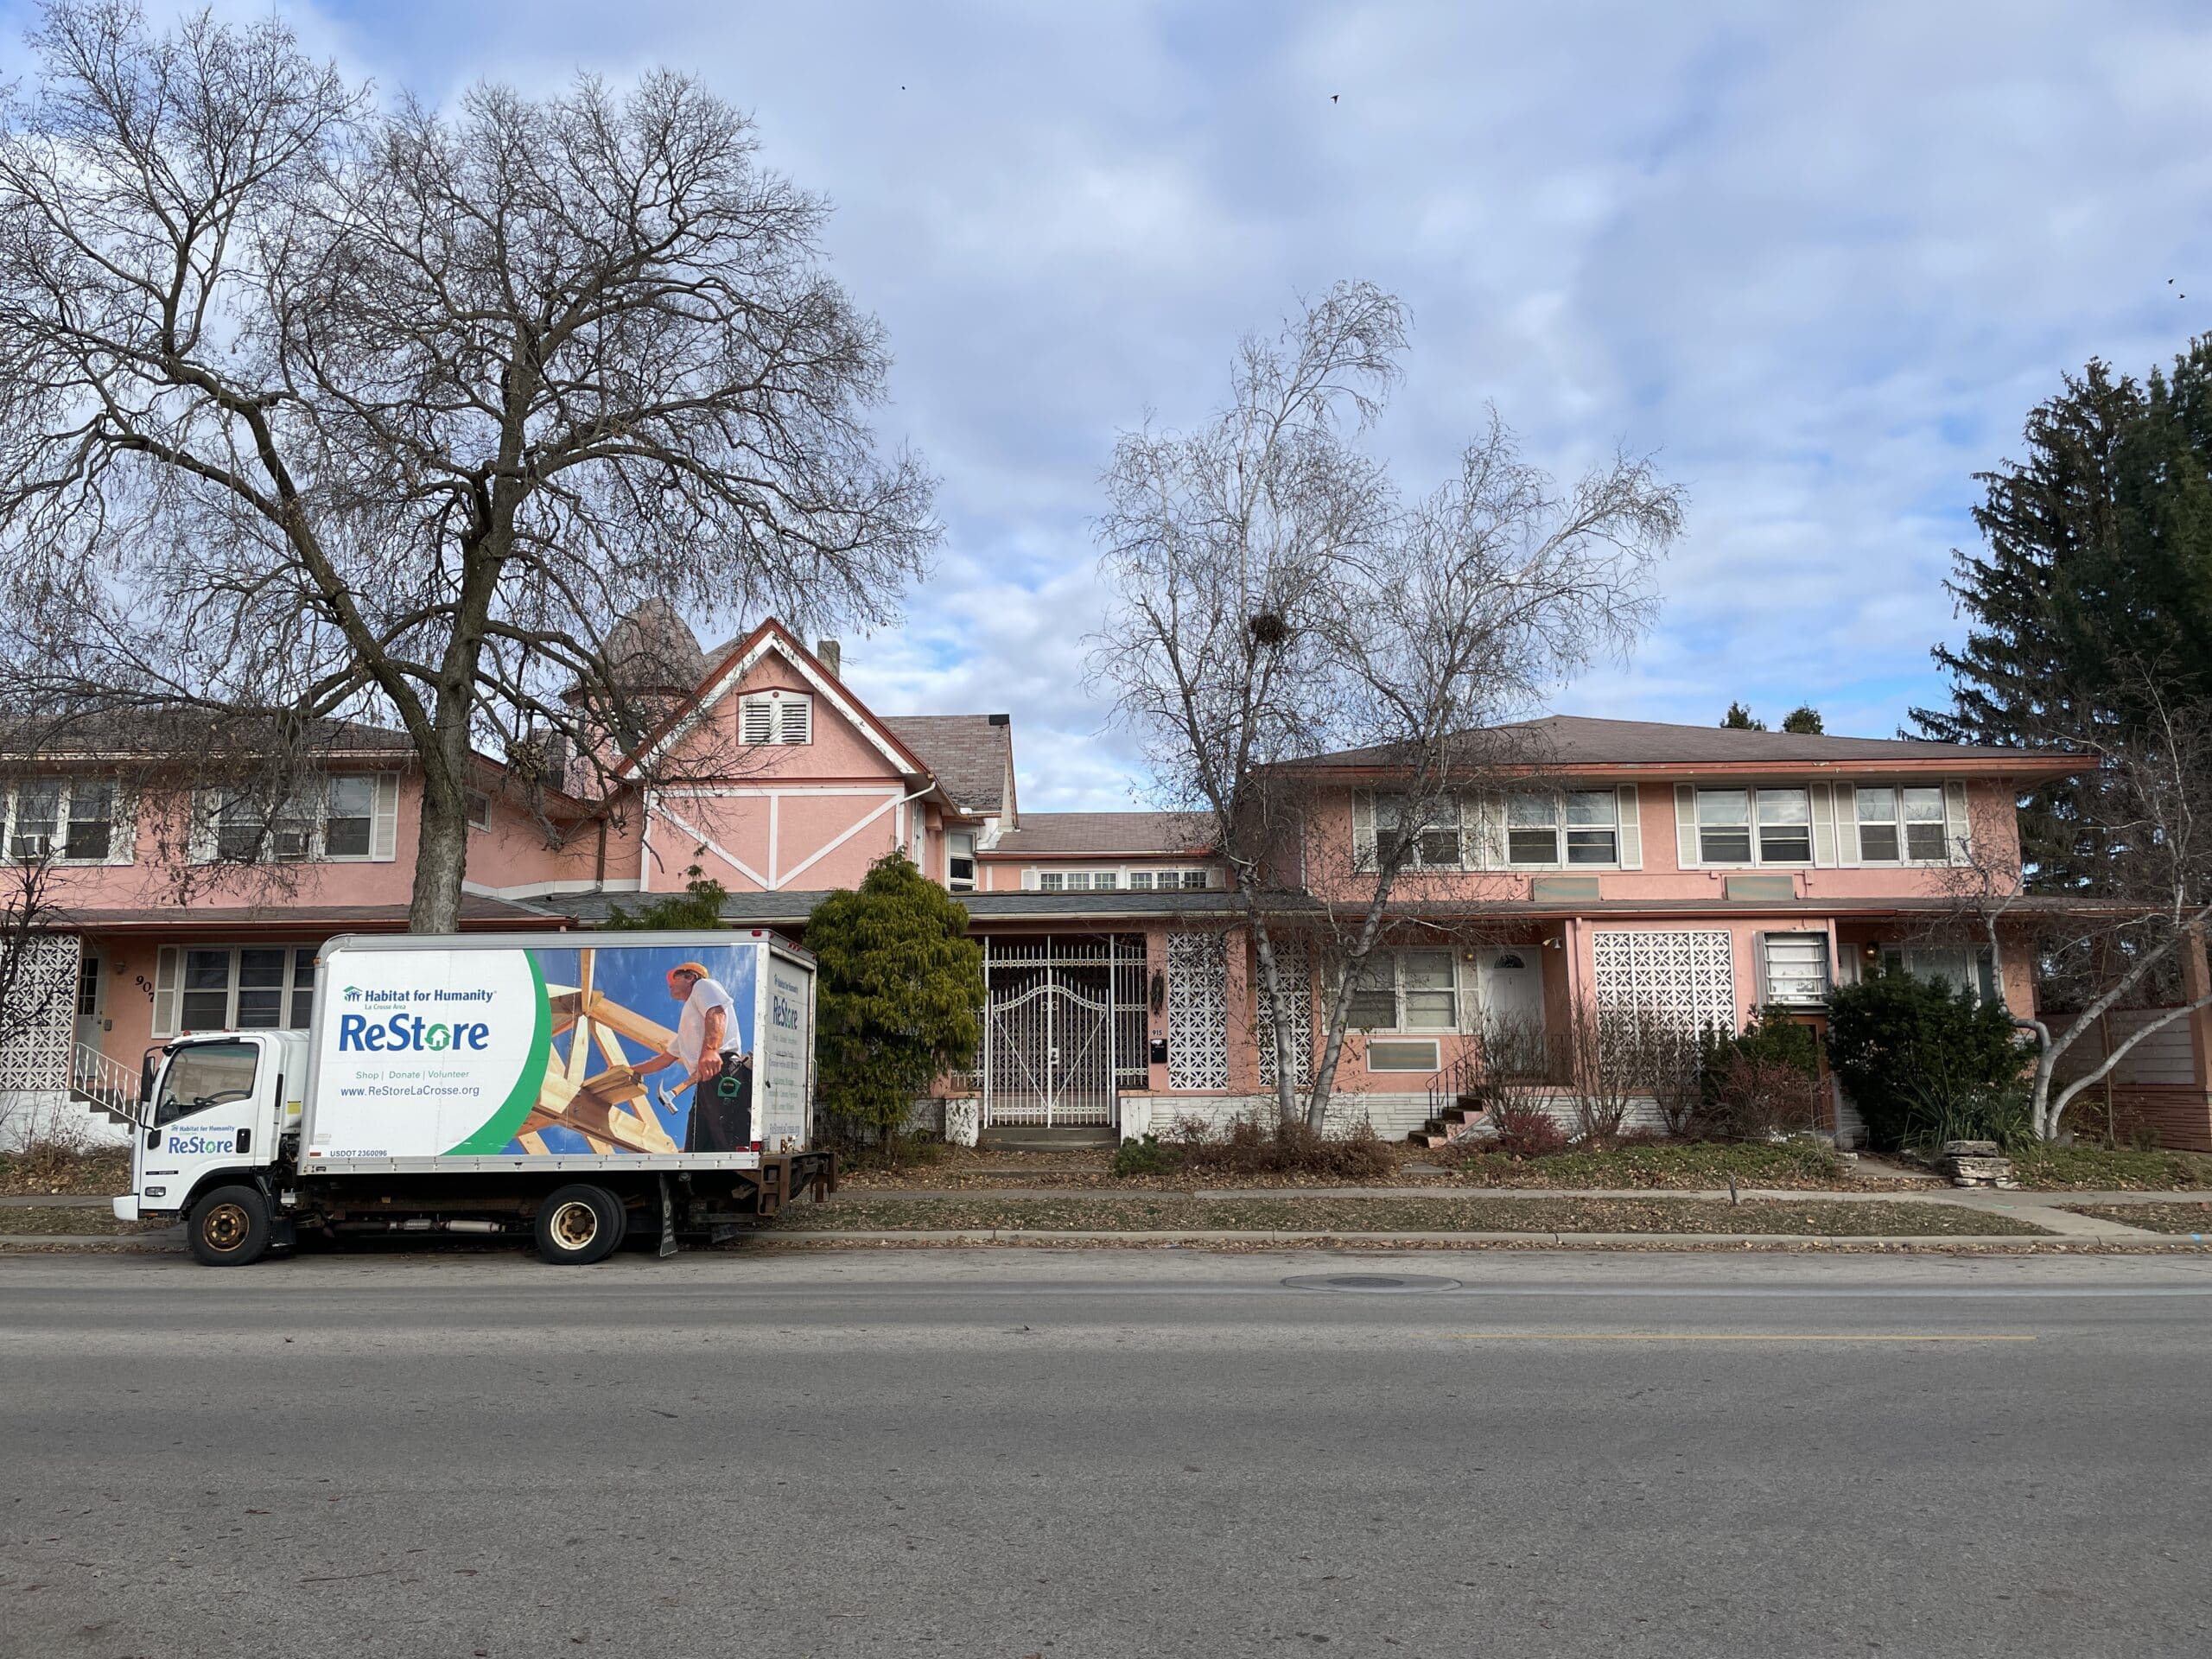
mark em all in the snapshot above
pixel 213 1116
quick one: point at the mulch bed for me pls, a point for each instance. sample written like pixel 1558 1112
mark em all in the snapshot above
pixel 1198 1213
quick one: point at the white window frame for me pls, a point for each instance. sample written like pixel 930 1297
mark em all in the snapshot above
pixel 954 840
pixel 171 961
pixel 307 817
pixel 1798 938
pixel 1564 829
pixel 1988 983
pixel 1399 991
pixel 1119 877
pixel 479 806
pixel 1898 821
pixel 780 718
pixel 118 820
pixel 1751 826
pixel 1449 820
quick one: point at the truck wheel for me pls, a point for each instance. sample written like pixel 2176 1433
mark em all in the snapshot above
pixel 229 1227
pixel 579 1225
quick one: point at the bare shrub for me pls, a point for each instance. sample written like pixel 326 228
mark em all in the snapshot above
pixel 1253 1146
pixel 1752 1098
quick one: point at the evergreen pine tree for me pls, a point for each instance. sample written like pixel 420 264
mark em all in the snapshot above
pixel 2095 575
pixel 1739 719
pixel 1804 720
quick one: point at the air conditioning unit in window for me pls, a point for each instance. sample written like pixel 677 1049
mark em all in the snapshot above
pixel 30 845
pixel 288 846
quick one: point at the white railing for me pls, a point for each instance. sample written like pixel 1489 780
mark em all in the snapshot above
pixel 104 1080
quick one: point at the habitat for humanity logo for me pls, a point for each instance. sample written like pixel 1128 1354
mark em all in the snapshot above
pixel 410 1033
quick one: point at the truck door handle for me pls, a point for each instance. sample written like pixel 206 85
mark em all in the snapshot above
pixel 245 1141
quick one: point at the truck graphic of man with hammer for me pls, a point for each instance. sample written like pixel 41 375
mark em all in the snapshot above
pixel 722 1110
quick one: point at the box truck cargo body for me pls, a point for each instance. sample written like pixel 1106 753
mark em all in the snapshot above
pixel 571 1085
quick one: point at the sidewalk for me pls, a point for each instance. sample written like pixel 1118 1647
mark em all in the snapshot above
pixel 2065 1231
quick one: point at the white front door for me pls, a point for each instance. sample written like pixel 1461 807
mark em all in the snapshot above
pixel 1510 996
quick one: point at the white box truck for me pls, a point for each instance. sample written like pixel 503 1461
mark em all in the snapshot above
pixel 570 1086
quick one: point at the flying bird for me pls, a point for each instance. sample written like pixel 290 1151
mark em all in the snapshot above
pixel 1332 98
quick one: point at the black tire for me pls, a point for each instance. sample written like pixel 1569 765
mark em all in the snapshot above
pixel 578 1225
pixel 229 1227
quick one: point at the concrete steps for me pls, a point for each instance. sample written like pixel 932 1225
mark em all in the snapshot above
pixel 1027 1137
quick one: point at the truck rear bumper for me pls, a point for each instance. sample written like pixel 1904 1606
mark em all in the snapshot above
pixel 126 1207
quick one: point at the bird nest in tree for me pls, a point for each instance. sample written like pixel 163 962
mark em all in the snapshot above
pixel 1268 629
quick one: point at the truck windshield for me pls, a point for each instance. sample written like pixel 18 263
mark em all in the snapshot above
pixel 202 1075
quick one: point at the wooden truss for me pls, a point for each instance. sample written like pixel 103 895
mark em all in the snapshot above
pixel 608 1108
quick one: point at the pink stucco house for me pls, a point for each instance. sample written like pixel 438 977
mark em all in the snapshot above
pixel 1703 870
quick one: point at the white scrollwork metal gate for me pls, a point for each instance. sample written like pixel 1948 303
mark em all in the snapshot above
pixel 1063 1029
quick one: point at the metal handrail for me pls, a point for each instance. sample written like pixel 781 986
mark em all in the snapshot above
pixel 105 1081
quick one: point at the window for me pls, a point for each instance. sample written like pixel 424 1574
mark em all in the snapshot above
pixel 1755 826
pixel 37 819
pixel 204 1075
pixel 247 987
pixel 1795 969
pixel 245 833
pixel 1724 826
pixel 960 860
pixel 349 817
pixel 1435 846
pixel 88 987
pixel 1594 827
pixel 1531 829
pixel 776 717
pixel 1962 965
pixel 92 821
pixel 1785 826
pixel 480 810
pixel 1407 990
pixel 71 819
pixel 1902 825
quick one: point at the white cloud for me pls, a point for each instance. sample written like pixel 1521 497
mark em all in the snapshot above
pixel 1820 260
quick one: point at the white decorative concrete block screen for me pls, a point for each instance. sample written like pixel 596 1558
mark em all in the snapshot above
pixel 1197 1011
pixel 37 1062
pixel 1687 977
pixel 1295 965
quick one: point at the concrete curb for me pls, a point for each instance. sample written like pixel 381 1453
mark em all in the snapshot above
pixel 824 1237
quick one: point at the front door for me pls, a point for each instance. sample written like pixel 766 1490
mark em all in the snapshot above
pixel 206 1116
pixel 1509 994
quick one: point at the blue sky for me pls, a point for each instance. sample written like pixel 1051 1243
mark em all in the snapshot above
pixel 1820 260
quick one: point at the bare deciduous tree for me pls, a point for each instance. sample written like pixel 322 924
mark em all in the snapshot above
pixel 2147 799
pixel 313 409
pixel 1276 596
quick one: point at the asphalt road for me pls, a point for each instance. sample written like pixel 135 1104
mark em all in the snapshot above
pixel 1013 1454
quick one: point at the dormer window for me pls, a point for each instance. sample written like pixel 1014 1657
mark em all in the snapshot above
pixel 776 717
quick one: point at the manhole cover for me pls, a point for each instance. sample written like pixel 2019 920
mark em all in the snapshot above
pixel 1385 1283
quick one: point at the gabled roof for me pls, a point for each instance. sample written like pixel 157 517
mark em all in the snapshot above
pixel 1146 834
pixel 1570 740
pixel 972 755
pixel 732 664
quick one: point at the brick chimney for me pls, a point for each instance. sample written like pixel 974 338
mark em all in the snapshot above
pixel 832 657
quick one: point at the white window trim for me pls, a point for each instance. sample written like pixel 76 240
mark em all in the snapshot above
pixel 1757 860
pixel 1034 879
pixel 1955 822
pixel 1622 832
pixel 776 705
pixel 1828 968
pixel 1398 1025
pixel 957 883
pixel 314 813
pixel 169 988
pixel 121 835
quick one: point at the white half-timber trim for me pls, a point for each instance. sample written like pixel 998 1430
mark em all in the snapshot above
pixel 824 687
pixel 888 799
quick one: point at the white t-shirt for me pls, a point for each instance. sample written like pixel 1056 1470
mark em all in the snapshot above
pixel 692 1029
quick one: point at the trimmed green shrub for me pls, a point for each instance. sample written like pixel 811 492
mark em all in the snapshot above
pixel 1922 1060
pixel 1145 1157
pixel 899 1001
